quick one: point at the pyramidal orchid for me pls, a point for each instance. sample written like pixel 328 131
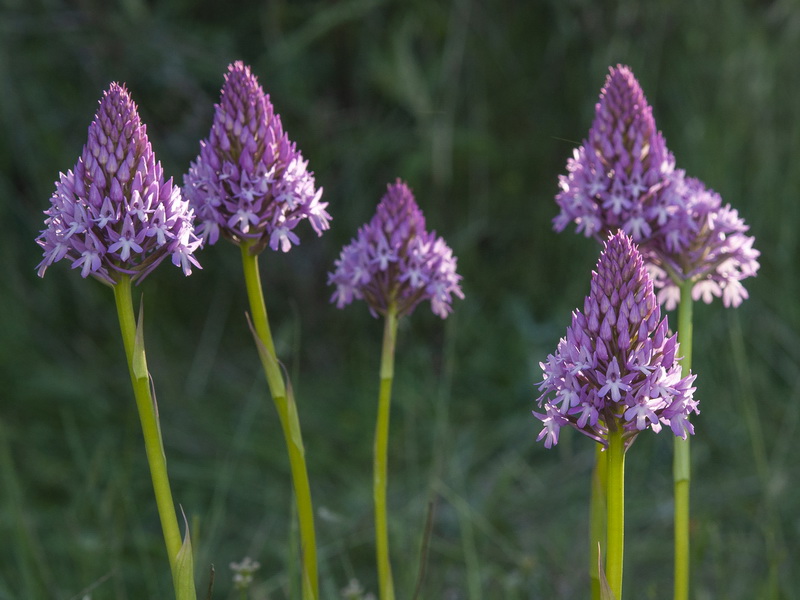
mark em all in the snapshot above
pixel 703 252
pixel 394 260
pixel 251 185
pixel 614 375
pixel 393 264
pixel 114 214
pixel 617 367
pixel 623 176
pixel 116 218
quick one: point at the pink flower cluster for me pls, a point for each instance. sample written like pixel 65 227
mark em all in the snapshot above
pixel 394 260
pixel 624 177
pixel 617 365
pixel 114 213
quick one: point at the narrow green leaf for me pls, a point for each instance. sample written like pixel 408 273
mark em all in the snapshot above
pixel 139 360
pixel 605 589
pixel 294 419
pixel 184 568
pixel 268 360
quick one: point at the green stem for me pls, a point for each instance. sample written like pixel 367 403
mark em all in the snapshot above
pixel 290 422
pixel 134 351
pixel 597 517
pixel 379 479
pixel 615 505
pixel 681 470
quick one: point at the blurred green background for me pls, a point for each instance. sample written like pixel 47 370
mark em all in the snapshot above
pixel 477 104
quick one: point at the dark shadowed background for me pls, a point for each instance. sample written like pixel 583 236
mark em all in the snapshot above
pixel 477 105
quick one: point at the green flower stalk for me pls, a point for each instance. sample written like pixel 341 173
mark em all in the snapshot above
pixel 614 375
pixel 681 470
pixel 393 264
pixel 116 219
pixel 132 338
pixel 381 454
pixel 706 254
pixel 597 517
pixel 284 402
pixel 615 509
pixel 251 185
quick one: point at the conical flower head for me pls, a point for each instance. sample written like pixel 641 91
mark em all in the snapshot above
pixel 615 178
pixel 617 366
pixel 114 213
pixel 249 181
pixel 624 177
pixel 393 260
pixel 705 242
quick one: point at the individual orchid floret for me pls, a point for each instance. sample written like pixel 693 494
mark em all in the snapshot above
pixel 249 182
pixel 614 179
pixel 114 213
pixel 705 243
pixel 393 260
pixel 617 366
